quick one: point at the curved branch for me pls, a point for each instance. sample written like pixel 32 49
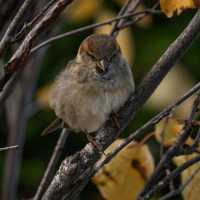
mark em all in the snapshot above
pixel 49 173
pixel 93 26
pixel 166 112
pixel 83 161
pixel 7 36
pixel 19 58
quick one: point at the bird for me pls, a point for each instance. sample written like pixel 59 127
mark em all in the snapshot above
pixel 92 86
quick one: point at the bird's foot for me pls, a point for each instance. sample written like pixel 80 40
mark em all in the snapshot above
pixel 94 143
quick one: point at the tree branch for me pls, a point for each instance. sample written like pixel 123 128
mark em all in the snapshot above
pixel 144 129
pixel 170 153
pixel 74 166
pixel 172 176
pixel 7 36
pixel 27 26
pixel 9 86
pixel 124 10
pixel 8 148
pixel 166 112
pixel 21 55
pixel 93 26
pixel 182 187
pixel 49 173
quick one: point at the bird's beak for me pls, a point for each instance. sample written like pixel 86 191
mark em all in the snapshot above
pixel 101 65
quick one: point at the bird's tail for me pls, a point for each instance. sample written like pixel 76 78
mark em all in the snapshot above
pixel 54 126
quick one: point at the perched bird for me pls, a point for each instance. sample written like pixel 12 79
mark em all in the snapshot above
pixel 93 85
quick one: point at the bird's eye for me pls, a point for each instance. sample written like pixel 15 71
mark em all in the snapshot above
pixel 99 70
pixel 91 56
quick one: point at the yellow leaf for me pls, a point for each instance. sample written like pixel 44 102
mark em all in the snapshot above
pixel 126 174
pixel 82 10
pixel 171 6
pixel 177 81
pixel 124 38
pixel 169 129
pixel 191 192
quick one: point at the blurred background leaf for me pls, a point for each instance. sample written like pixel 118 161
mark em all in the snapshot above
pixel 171 6
pixel 191 192
pixel 125 175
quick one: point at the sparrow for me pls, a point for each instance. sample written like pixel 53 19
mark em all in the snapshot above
pixel 92 86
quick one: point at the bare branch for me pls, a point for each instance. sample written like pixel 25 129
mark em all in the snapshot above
pixel 126 24
pixel 172 176
pixel 92 26
pixel 182 187
pixel 21 55
pixel 166 112
pixel 8 148
pixel 49 173
pixel 144 129
pixel 17 112
pixel 8 9
pixel 170 153
pixel 26 27
pixel 7 36
pixel 74 166
pixel 5 93
pixel 124 10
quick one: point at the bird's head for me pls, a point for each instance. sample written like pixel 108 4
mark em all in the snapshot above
pixel 99 49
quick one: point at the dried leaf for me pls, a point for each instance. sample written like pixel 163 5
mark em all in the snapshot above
pixel 145 21
pixel 171 6
pixel 126 174
pixel 167 130
pixel 191 192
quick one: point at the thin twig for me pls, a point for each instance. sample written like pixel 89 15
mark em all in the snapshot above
pixel 92 26
pixel 30 24
pixel 7 36
pixel 144 129
pixel 126 24
pixel 21 55
pixel 73 166
pixel 170 153
pixel 17 116
pixel 4 94
pixel 49 173
pixel 124 10
pixel 166 112
pixel 172 176
pixel 10 147
pixel 182 187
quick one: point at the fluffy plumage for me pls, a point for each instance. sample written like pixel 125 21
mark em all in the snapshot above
pixel 93 85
